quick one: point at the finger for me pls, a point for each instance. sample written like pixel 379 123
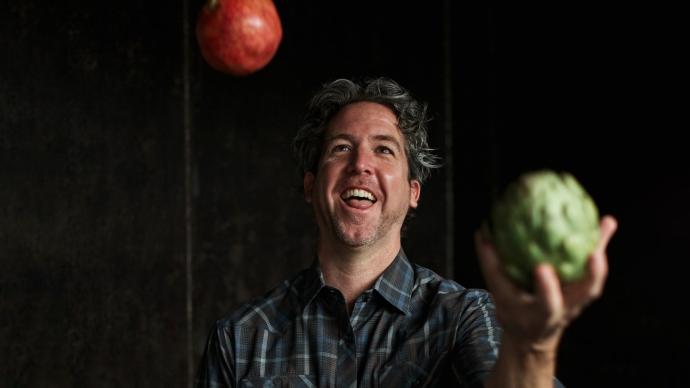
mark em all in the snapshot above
pixel 580 293
pixel 597 272
pixel 607 228
pixel 597 265
pixel 591 286
pixel 548 288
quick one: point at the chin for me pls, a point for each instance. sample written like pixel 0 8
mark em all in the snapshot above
pixel 356 238
pixel 356 243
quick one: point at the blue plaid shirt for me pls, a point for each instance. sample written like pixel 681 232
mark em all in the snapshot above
pixel 413 328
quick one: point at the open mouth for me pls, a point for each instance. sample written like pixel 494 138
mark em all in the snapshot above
pixel 358 198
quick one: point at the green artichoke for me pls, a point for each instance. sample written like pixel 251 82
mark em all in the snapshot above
pixel 544 217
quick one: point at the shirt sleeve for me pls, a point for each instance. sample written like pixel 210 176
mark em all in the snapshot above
pixel 217 368
pixel 477 339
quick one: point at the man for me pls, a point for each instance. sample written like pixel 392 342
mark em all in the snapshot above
pixel 362 314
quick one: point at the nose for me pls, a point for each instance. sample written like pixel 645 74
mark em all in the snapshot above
pixel 361 161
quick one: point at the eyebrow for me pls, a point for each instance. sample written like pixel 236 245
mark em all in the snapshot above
pixel 348 137
pixel 343 136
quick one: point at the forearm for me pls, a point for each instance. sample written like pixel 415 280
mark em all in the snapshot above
pixel 520 365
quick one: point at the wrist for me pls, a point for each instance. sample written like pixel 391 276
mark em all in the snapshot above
pixel 543 349
pixel 523 364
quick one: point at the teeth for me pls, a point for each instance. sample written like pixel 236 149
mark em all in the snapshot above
pixel 359 194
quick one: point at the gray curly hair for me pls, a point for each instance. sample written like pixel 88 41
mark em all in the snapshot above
pixel 411 115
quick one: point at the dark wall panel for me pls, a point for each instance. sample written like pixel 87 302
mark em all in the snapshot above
pixel 91 265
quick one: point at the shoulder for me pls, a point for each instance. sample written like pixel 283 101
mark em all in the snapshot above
pixel 469 312
pixel 268 312
pixel 433 288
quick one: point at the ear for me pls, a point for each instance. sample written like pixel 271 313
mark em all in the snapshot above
pixel 415 192
pixel 308 185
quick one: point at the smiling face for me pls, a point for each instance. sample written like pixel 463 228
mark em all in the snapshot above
pixel 362 191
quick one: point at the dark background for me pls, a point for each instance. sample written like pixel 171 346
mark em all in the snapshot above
pixel 144 195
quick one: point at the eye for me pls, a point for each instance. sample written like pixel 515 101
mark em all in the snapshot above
pixel 384 150
pixel 340 148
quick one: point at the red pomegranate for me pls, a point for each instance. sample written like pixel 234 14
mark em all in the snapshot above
pixel 238 37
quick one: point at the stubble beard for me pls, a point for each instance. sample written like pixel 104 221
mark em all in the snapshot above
pixel 372 234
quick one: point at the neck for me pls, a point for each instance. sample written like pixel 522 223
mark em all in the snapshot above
pixel 353 270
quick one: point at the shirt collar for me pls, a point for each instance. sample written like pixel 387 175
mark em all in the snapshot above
pixel 312 283
pixel 394 285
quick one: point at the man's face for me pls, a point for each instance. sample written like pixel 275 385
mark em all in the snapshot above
pixel 361 193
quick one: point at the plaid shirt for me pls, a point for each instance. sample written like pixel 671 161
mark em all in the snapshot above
pixel 413 328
